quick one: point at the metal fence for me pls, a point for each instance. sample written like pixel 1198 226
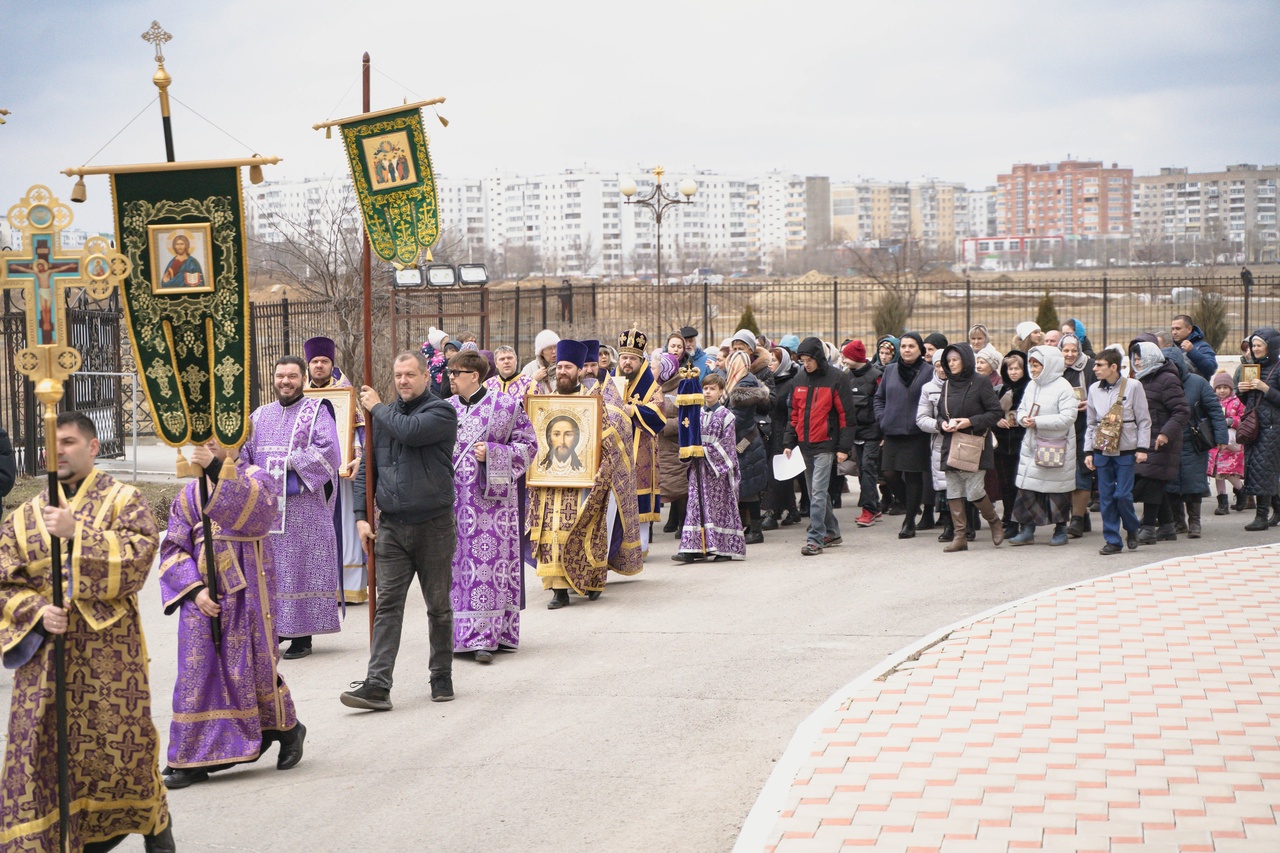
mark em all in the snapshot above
pixel 94 330
pixel 1113 308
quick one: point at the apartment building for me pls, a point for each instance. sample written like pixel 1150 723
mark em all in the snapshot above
pixel 1081 198
pixel 1227 212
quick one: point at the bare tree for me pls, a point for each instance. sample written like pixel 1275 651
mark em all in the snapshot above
pixel 898 270
pixel 586 253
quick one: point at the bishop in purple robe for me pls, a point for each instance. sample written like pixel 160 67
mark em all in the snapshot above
pixel 712 526
pixel 229 702
pixel 495 444
pixel 295 440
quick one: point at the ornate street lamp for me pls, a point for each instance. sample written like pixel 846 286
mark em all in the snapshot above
pixel 658 201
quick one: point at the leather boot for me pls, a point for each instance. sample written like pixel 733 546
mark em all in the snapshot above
pixel 1262 510
pixel 926 518
pixel 908 530
pixel 753 535
pixel 993 521
pixel 162 841
pixel 1179 517
pixel 1146 535
pixel 971 522
pixel 958 518
pixel 1193 518
pixel 1275 510
pixel 1224 506
pixel 1167 533
pixel 1075 528
pixel 769 522
pixel 291 747
pixel 948 528
pixel 1241 500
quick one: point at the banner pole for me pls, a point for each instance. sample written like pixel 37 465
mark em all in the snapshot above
pixel 370 471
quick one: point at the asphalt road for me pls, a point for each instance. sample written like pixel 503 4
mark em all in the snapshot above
pixel 647 720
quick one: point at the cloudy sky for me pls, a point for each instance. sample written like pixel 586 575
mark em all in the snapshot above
pixel 846 88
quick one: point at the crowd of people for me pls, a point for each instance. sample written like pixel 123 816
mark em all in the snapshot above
pixel 483 470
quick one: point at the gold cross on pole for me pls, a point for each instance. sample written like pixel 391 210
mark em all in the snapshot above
pixel 42 273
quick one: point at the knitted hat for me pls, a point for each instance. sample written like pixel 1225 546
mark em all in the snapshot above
pixel 745 336
pixel 790 343
pixel 938 340
pixel 1025 330
pixel 855 351
pixel 574 352
pixel 1223 378
pixel 435 337
pixel 546 338
pixel 317 347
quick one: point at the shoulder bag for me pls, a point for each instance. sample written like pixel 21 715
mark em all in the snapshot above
pixel 966 449
pixel 1202 439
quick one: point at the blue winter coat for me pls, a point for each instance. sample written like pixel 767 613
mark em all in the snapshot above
pixel 1192 478
pixel 1201 355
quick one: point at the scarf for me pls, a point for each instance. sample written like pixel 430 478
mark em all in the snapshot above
pixel 907 373
pixel 1082 361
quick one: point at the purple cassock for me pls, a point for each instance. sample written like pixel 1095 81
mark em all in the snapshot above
pixel 712 525
pixel 224 701
pixel 487 565
pixel 297 446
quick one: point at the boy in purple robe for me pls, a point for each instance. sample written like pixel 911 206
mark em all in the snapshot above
pixel 712 526
pixel 494 446
pixel 229 703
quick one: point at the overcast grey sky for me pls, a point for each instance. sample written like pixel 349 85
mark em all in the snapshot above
pixel 890 90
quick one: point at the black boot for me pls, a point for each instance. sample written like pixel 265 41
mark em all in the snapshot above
pixel 926 519
pixel 162 841
pixel 973 519
pixel 291 747
pixel 1179 518
pixel 559 598
pixel 1275 510
pixel 769 522
pixel 1241 500
pixel 1075 528
pixel 1193 518
pixel 1260 520
pixel 948 528
pixel 753 536
pixel 908 530
pixel 673 520
pixel 1224 507
pixel 299 647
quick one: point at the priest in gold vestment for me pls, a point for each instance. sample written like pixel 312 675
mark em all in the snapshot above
pixel 109 542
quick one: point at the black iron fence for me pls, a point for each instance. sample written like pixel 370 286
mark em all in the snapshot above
pixel 1113 309
pixel 94 330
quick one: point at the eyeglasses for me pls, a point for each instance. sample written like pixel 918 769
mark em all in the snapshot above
pixel 455 372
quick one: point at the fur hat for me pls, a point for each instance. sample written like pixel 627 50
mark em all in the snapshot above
pixel 546 338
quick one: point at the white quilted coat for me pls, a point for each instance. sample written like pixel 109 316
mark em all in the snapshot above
pixel 1056 419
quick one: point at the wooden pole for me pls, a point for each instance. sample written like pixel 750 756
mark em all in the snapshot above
pixel 59 640
pixel 370 471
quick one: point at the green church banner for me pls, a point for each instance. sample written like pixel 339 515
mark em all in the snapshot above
pixel 187 299
pixel 391 171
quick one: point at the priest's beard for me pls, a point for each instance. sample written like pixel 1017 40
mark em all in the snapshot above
pixel 566 385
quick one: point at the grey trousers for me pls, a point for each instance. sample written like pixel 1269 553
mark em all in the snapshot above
pixel 403 551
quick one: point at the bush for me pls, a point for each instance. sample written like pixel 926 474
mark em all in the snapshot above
pixel 748 321
pixel 1047 314
pixel 1211 317
pixel 891 315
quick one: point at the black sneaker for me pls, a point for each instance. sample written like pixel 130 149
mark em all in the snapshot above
pixel 366 697
pixel 441 688
pixel 1108 549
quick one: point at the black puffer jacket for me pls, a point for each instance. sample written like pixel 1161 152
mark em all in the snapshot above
pixel 744 401
pixel 781 412
pixel 1262 458
pixel 862 388
pixel 1167 403
pixel 967 394
pixel 413 455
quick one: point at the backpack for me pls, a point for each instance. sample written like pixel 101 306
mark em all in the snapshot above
pixel 1106 437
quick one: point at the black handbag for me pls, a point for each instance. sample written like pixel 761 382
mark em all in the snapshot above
pixel 1201 432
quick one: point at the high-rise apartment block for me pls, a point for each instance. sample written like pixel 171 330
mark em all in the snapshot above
pixel 1074 198
pixel 1228 212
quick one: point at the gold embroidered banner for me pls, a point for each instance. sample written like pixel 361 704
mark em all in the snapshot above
pixel 391 171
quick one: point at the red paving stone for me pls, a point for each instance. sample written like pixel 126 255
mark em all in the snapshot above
pixel 1136 712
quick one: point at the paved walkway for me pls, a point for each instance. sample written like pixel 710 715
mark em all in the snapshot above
pixel 1135 712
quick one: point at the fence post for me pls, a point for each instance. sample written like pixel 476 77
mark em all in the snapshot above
pixel 968 305
pixel 835 309
pixel 593 301
pixel 1106 299
pixel 706 308
pixel 516 342
pixel 484 317
pixel 284 324
pixel 1246 281
pixel 544 306
pixel 29 421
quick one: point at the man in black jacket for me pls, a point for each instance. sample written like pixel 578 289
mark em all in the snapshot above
pixel 821 427
pixel 412 456
pixel 863 378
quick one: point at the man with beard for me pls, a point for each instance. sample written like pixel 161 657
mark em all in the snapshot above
pixel 508 379
pixel 643 406
pixel 295 440
pixel 320 354
pixel 572 529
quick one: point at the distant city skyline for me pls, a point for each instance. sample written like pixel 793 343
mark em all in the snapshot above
pixel 892 92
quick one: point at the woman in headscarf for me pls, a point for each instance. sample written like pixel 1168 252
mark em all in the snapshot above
pixel 779 502
pixel 746 396
pixel 886 350
pixel 979 337
pixel 1046 472
pixel 905 455
pixel 1169 413
pixel 989 363
pixel 1075 327
pixel 1262 458
pixel 1009 433
pixel 608 360
pixel 1189 485
pixel 1080 376
pixel 968 405
pixel 673 475
pixel 927 420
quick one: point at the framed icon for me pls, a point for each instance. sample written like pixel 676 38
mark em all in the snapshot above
pixel 389 161
pixel 343 400
pixel 181 258
pixel 1250 372
pixel 568 430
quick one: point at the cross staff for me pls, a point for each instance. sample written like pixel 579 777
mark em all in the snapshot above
pixel 48 361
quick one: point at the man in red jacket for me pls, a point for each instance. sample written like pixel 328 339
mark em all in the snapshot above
pixel 822 428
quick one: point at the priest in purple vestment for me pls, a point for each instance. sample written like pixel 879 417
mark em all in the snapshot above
pixel 295 440
pixel 229 703
pixel 495 444
pixel 712 527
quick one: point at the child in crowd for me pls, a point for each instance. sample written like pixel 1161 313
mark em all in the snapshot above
pixel 1226 464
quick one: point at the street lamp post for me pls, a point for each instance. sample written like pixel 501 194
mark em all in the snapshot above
pixel 659 202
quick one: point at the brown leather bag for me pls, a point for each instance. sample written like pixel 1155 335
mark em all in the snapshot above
pixel 965 453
